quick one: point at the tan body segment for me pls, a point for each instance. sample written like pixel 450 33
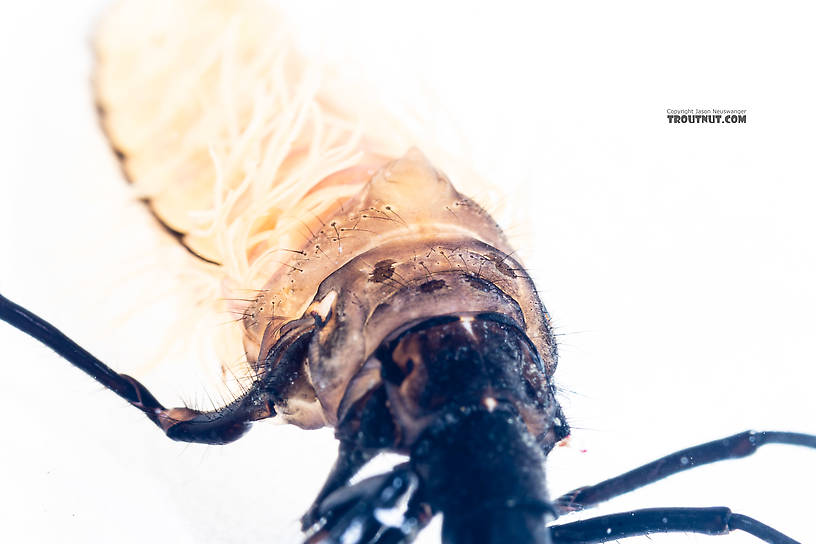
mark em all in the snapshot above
pixel 409 246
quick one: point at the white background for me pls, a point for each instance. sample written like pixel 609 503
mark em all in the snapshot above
pixel 678 262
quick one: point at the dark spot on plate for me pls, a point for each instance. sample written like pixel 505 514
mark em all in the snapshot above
pixel 383 270
pixel 479 284
pixel 431 286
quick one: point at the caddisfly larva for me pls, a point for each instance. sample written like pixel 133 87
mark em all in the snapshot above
pixel 392 267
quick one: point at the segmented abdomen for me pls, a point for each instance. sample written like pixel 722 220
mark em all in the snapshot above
pixel 241 149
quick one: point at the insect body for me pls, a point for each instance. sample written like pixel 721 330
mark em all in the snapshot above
pixel 402 319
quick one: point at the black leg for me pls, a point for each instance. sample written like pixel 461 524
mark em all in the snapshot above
pixel 350 459
pixel 732 447
pixel 216 427
pixel 708 521
pixel 382 509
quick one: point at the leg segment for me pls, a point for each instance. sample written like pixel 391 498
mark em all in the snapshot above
pixel 732 447
pixel 383 509
pixel 216 427
pixel 350 459
pixel 708 521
